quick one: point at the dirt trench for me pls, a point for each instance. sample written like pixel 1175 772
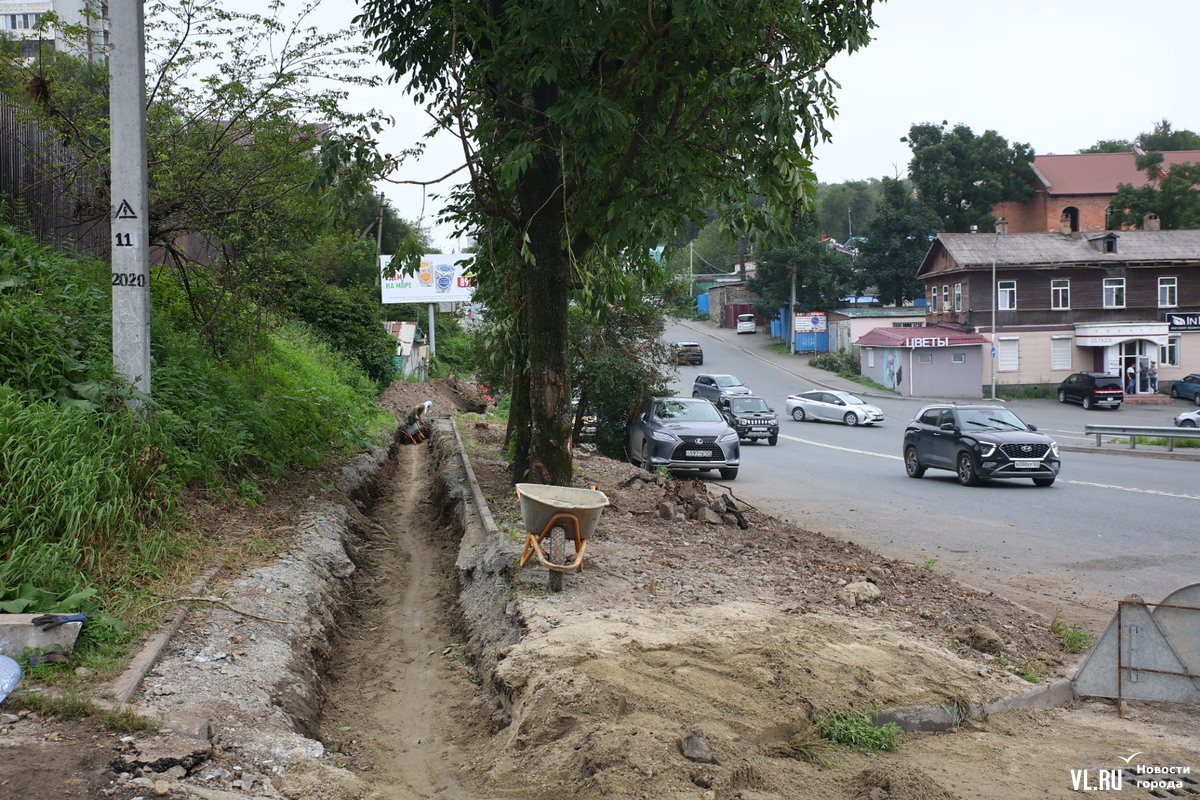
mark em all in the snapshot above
pixel 402 700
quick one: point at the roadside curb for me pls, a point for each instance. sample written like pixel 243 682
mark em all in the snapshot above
pixel 952 715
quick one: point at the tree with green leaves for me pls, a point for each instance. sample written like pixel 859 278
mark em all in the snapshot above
pixel 897 236
pixel 1162 138
pixel 590 128
pixel 1174 197
pixel 959 176
pixel 844 208
pixel 1110 146
pixel 824 275
pixel 1165 137
pixel 257 174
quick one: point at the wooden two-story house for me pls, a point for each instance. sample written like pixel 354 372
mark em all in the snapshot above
pixel 1057 303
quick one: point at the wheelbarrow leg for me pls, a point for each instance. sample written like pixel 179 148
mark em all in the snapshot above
pixel 558 549
pixel 554 553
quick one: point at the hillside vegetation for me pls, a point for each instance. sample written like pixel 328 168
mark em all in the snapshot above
pixel 92 494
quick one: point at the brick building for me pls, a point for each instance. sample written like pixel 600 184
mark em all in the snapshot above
pixel 1074 192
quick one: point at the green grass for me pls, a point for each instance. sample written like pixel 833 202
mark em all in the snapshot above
pixel 92 511
pixel 1074 638
pixel 854 729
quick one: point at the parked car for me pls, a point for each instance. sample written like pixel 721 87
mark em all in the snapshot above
pixel 1092 389
pixel 1187 389
pixel 684 433
pixel 689 353
pixel 1188 419
pixel 715 386
pixel 978 442
pixel 746 324
pixel 751 417
pixel 831 405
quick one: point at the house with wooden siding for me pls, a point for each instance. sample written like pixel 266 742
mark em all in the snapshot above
pixel 1057 303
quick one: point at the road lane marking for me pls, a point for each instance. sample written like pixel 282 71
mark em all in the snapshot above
pixel 838 447
pixel 1134 489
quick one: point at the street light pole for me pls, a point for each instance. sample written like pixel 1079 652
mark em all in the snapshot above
pixel 995 302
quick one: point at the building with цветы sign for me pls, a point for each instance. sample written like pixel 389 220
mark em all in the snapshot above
pixel 929 361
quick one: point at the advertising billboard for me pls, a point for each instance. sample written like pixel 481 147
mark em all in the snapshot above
pixel 441 278
pixel 811 322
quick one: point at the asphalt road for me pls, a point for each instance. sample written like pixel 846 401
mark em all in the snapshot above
pixel 1112 525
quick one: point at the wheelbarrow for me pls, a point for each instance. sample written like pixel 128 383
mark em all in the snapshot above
pixel 547 511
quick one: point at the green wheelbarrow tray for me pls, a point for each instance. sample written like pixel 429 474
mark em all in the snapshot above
pixel 545 507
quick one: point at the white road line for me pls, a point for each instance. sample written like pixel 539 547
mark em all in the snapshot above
pixel 1133 489
pixel 836 447
pixel 1136 490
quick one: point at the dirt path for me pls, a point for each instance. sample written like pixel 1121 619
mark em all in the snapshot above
pixel 400 701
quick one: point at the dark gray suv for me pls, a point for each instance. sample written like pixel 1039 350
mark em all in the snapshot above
pixel 977 442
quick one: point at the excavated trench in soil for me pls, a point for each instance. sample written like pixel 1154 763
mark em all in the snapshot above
pixel 401 699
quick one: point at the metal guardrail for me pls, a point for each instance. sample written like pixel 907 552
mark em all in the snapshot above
pixel 1159 432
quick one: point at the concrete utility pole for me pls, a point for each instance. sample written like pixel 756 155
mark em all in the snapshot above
pixel 129 209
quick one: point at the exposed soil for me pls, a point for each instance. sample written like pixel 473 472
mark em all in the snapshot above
pixel 736 632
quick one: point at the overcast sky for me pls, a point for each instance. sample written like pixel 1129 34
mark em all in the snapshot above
pixel 1058 75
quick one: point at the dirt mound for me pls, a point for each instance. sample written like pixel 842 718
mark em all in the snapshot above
pixel 449 396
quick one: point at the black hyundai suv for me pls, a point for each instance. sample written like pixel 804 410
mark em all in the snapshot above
pixel 751 417
pixel 978 442
pixel 1091 389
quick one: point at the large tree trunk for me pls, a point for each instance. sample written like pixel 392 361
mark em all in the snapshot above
pixel 547 280
pixel 518 435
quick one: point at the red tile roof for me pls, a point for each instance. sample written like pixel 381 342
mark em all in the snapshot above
pixel 918 337
pixel 1099 173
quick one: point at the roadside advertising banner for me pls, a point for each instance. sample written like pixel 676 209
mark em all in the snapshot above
pixel 441 278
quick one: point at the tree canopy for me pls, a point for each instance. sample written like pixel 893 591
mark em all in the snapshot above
pixel 589 129
pixel 897 236
pixel 1173 197
pixel 823 275
pixel 959 176
pixel 1162 137
pixel 257 174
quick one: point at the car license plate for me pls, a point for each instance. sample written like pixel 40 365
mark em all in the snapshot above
pixel 697 453
pixel 758 430
pixel 1027 464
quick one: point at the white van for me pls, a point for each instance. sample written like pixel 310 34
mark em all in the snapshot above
pixel 745 324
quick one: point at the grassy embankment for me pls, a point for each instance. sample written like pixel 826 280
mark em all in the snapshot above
pixel 93 515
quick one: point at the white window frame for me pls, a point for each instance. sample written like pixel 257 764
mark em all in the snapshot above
pixel 925 358
pixel 1114 292
pixel 958 358
pixel 1008 354
pixel 945 297
pixel 1168 356
pixel 1168 292
pixel 1060 294
pixel 958 297
pixel 1006 295
pixel 1060 353
pixel 870 357
pixel 933 300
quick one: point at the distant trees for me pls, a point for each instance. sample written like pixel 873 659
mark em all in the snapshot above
pixel 1162 137
pixel 897 237
pixel 959 176
pixel 843 208
pixel 1174 198
pixel 823 275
